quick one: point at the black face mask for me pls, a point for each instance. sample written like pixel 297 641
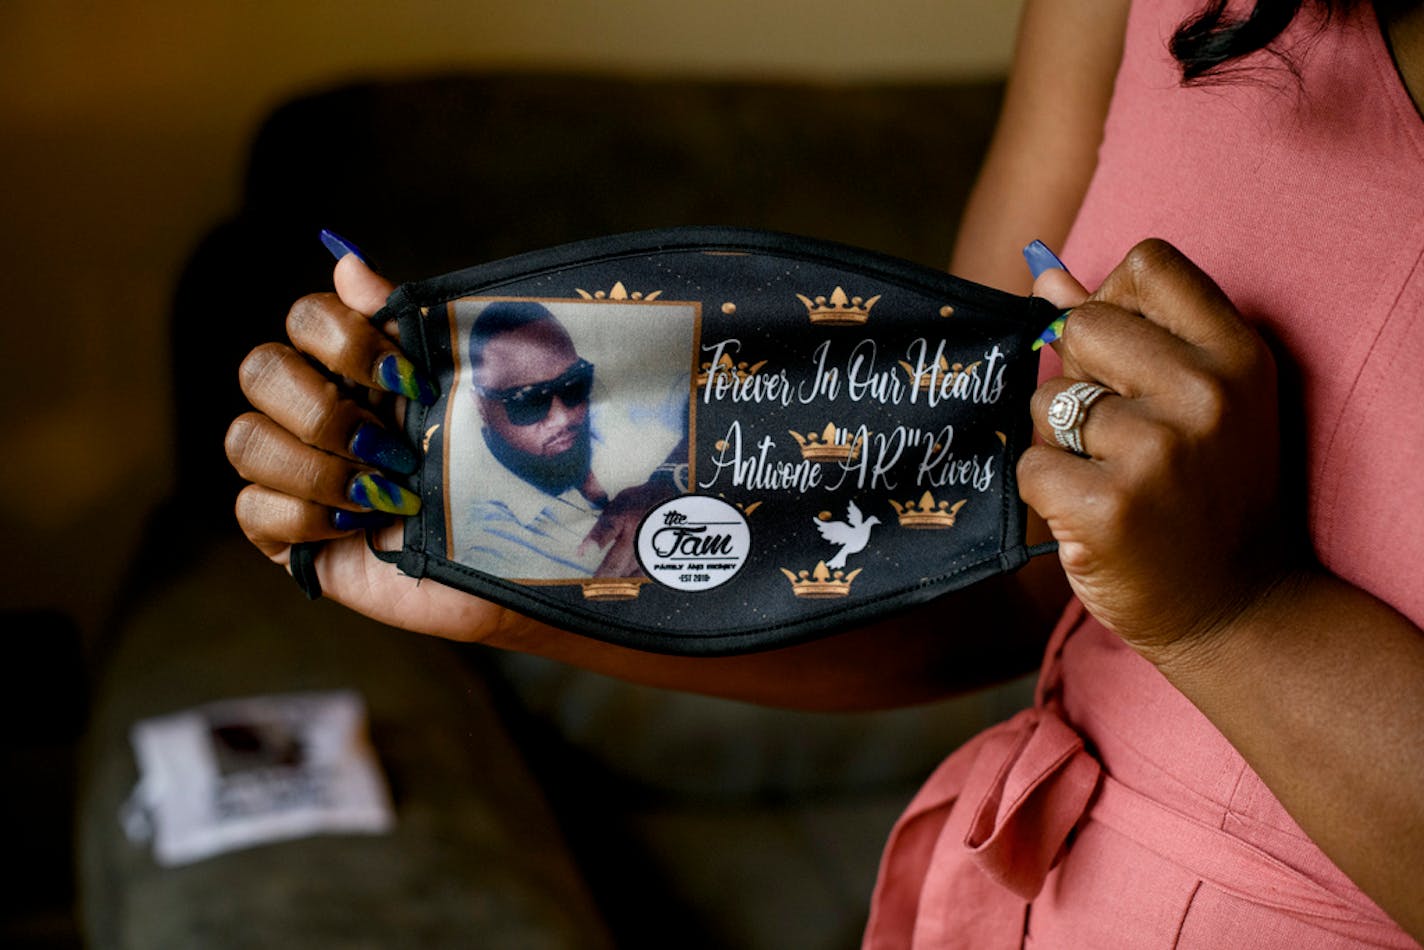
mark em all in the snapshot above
pixel 786 438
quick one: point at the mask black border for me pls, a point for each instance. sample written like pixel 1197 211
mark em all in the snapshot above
pixel 406 303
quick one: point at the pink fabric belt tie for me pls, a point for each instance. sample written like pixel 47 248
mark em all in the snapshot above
pixel 1028 789
pixel 1025 784
pixel 982 835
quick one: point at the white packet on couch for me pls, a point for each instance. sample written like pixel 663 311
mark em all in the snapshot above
pixel 241 772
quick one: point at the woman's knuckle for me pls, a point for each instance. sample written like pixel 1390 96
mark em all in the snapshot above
pixel 1151 254
pixel 1030 464
pixel 1102 508
pixel 1159 443
pixel 1207 401
pixel 248 506
pixel 307 316
pixel 260 365
pixel 239 439
pixel 263 515
pixel 315 422
pixel 1252 360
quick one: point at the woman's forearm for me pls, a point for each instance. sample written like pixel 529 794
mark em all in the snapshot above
pixel 1320 686
pixel 1045 146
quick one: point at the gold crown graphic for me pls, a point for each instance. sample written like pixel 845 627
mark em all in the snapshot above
pixel 613 588
pixel 821 581
pixel 840 310
pixel 947 371
pixel 744 507
pixel 618 292
pixel 829 445
pixel 725 368
pixel 926 514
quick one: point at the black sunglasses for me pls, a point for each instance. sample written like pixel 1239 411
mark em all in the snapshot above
pixel 526 405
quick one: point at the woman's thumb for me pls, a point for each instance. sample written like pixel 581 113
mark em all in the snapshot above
pixel 358 286
pixel 1051 279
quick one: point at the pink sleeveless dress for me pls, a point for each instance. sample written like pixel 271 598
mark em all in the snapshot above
pixel 1113 814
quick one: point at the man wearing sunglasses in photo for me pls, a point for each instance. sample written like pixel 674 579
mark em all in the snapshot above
pixel 567 476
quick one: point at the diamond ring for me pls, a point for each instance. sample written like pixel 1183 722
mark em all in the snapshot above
pixel 1068 410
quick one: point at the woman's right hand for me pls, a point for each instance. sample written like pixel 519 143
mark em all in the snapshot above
pixel 324 457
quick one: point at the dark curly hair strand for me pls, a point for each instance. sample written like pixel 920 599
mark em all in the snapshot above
pixel 1209 44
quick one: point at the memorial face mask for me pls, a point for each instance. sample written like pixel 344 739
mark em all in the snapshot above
pixel 706 441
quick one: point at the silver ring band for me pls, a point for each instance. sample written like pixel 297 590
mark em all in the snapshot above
pixel 1068 410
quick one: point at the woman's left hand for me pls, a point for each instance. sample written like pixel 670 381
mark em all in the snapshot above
pixel 1170 528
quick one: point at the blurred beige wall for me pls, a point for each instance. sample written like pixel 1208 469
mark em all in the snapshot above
pixel 122 132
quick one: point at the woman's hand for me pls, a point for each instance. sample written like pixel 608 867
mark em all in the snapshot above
pixel 1170 529
pixel 1172 535
pixel 324 458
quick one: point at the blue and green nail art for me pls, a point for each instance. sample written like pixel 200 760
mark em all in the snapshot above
pixel 396 374
pixel 370 490
pixel 1053 332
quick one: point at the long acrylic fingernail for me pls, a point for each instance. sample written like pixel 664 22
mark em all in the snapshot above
pixel 1054 331
pixel 396 374
pixel 343 520
pixel 370 490
pixel 1040 259
pixel 376 446
pixel 339 246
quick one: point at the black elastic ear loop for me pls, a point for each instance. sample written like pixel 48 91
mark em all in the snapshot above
pixel 302 561
pixel 303 567
pixel 390 557
pixel 1047 547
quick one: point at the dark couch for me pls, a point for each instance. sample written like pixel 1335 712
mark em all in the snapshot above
pixel 538 806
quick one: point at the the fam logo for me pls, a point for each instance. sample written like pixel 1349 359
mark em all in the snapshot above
pixel 693 543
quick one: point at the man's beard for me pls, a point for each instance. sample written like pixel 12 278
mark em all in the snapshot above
pixel 551 474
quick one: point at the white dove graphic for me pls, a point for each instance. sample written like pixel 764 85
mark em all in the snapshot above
pixel 852 535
